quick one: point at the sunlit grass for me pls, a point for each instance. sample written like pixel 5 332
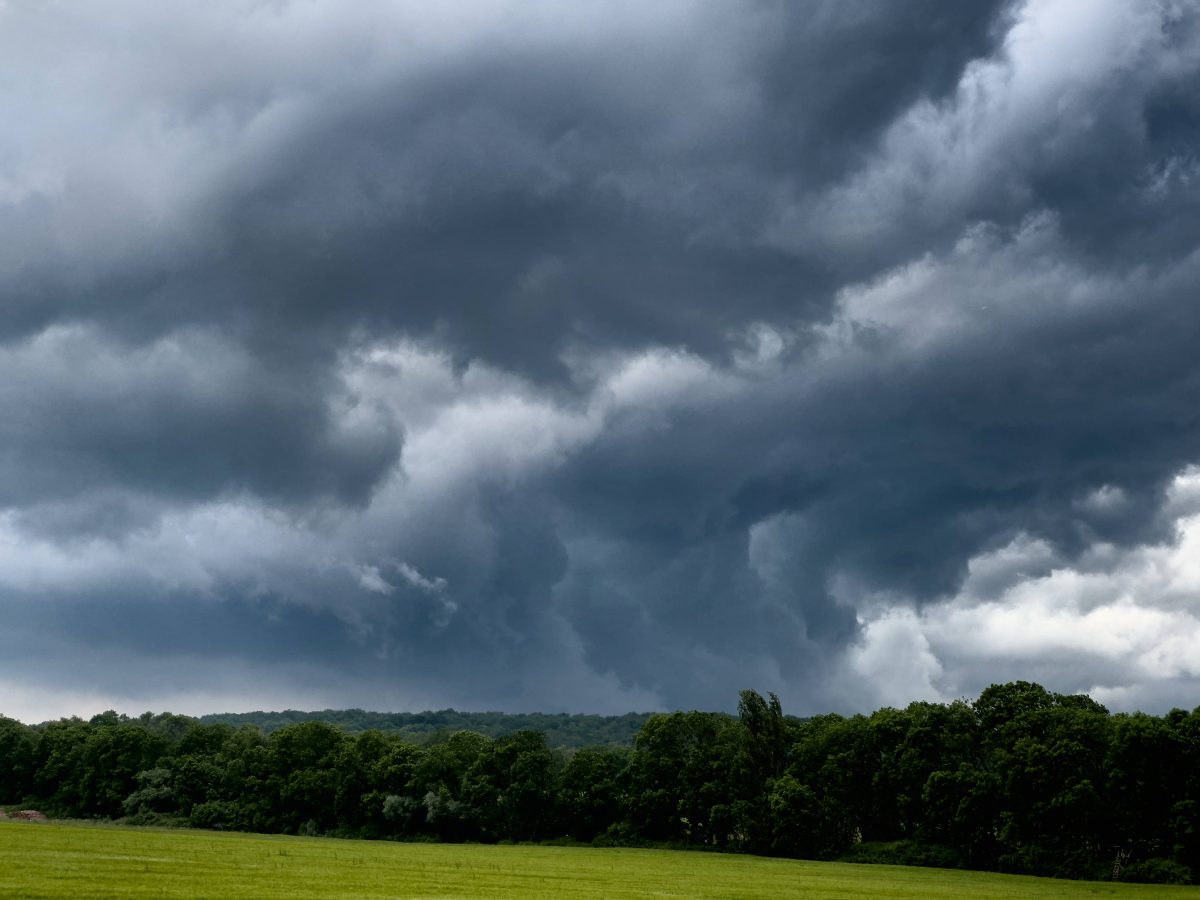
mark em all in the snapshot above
pixel 80 861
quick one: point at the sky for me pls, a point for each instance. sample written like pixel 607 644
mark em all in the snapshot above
pixel 599 356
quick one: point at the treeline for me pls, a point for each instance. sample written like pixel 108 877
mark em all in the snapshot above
pixel 1021 780
pixel 561 729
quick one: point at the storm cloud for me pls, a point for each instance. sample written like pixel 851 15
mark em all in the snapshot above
pixel 603 357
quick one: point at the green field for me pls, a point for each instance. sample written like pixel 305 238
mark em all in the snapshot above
pixel 79 861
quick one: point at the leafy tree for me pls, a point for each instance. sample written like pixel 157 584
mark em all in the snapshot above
pixel 112 757
pixel 914 745
pixel 155 793
pixel 441 775
pixel 18 760
pixel 510 786
pixel 241 792
pixel 306 762
pixel 766 733
pixel 962 810
pixel 835 757
pixel 1001 705
pixel 1142 765
pixel 1055 820
pixel 204 740
pixel 798 822
pixel 55 762
pixel 590 791
pixel 562 730
pixel 687 775
pixel 93 767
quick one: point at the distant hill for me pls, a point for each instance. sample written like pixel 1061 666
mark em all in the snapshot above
pixel 561 729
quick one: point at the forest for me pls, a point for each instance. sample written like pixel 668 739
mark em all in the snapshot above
pixel 561 729
pixel 1020 780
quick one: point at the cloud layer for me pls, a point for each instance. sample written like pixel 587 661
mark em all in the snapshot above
pixel 519 357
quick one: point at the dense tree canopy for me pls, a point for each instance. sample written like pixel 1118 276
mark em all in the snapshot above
pixel 1021 780
pixel 561 729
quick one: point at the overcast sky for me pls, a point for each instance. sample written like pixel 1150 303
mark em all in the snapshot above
pixel 597 356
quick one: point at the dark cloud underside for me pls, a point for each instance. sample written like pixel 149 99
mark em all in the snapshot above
pixel 600 357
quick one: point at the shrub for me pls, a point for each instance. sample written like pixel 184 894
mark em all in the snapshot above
pixel 904 853
pixel 1157 871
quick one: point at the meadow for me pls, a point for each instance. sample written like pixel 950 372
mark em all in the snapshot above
pixel 60 860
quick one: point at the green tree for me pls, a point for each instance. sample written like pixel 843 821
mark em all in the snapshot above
pixel 1055 819
pixel 441 776
pixel 590 791
pixel 18 752
pixel 835 757
pixel 766 734
pixel 510 787
pixel 306 762
pixel 155 793
pixel 688 774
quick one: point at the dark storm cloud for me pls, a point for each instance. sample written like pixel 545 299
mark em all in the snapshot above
pixel 183 417
pixel 835 75
pixel 485 198
pixel 591 358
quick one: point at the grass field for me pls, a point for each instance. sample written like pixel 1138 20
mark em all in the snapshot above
pixel 80 861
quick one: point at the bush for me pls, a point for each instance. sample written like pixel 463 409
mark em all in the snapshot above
pixel 566 841
pixel 619 834
pixel 904 853
pixel 215 814
pixel 159 820
pixel 1157 871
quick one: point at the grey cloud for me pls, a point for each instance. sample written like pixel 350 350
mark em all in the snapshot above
pixel 664 345
pixel 187 416
pixel 838 74
pixel 421 194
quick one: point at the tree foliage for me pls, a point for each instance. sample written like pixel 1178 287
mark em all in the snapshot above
pixel 1021 780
